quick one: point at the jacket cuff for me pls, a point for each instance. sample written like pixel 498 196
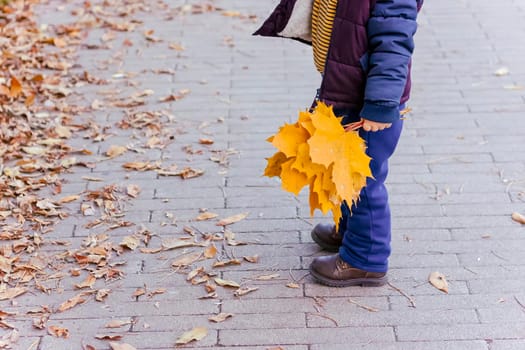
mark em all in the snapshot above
pixel 380 113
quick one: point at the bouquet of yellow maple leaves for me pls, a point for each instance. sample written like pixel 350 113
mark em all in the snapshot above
pixel 320 152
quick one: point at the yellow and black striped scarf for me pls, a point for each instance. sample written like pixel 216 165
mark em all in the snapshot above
pixel 323 14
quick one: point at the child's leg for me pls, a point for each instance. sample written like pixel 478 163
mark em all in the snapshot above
pixel 366 231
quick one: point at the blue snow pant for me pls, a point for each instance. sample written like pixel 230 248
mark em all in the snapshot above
pixel 366 227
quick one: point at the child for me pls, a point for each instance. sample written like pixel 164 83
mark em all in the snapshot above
pixel 363 49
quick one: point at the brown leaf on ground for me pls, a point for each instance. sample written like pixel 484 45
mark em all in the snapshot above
pixel 230 239
pixel 133 191
pixel 175 243
pixel 252 259
pixel 211 295
pixel 244 290
pixel 438 280
pixel 186 260
pixel 117 323
pixel 108 336
pixel 157 292
pixel 68 199
pixel 121 346
pixel 70 303
pixel 293 285
pixel 194 273
pixel 175 97
pixel 138 292
pixel 115 151
pixel 87 283
pixel 40 323
pixel 205 141
pixel 232 219
pixel 141 166
pixel 223 263
pixel 210 251
pixel 16 88
pixel 176 47
pixel 267 277
pixel 226 283
pixel 195 334
pixel 11 293
pixel 223 316
pixel 518 218
pixel 102 294
pixel 186 173
pixel 58 332
pixel 206 216
pixel 130 242
pixel 150 250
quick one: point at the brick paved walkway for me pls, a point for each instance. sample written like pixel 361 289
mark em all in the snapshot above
pixel 456 178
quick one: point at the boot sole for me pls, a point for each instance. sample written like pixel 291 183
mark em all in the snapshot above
pixel 323 244
pixel 363 282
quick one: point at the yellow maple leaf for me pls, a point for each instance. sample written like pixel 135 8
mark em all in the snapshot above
pixel 318 152
pixel 292 180
pixel 351 166
pixel 303 162
pixel 289 137
pixel 305 120
pixel 274 164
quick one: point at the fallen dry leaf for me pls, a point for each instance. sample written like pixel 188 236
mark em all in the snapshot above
pixel 438 280
pixel 186 173
pixel 15 88
pixel 252 259
pixel 206 216
pixel 156 292
pixel 226 283
pixel 223 316
pixel 210 295
pixel 244 290
pixel 150 250
pixel 195 334
pixel 518 218
pixel 230 239
pixel 210 251
pixel 133 191
pixel 223 263
pixel 293 285
pixel 205 141
pixel 138 292
pixel 121 346
pixel 117 323
pixel 115 151
pixel 186 260
pixel 267 277
pixel 58 332
pixel 70 303
pixel 87 283
pixel 130 242
pixel 232 219
pixel 175 243
pixel 102 294
pixel 108 336
pixel 11 293
pixel 68 199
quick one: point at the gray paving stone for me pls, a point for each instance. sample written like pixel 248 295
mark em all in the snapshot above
pixel 420 345
pixel 293 336
pixel 460 332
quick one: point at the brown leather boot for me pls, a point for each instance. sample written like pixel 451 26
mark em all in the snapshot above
pixel 334 272
pixel 327 237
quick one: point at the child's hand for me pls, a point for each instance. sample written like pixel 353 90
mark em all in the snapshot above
pixel 369 125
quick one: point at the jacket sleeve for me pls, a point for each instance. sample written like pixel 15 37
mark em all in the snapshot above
pixel 391 29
